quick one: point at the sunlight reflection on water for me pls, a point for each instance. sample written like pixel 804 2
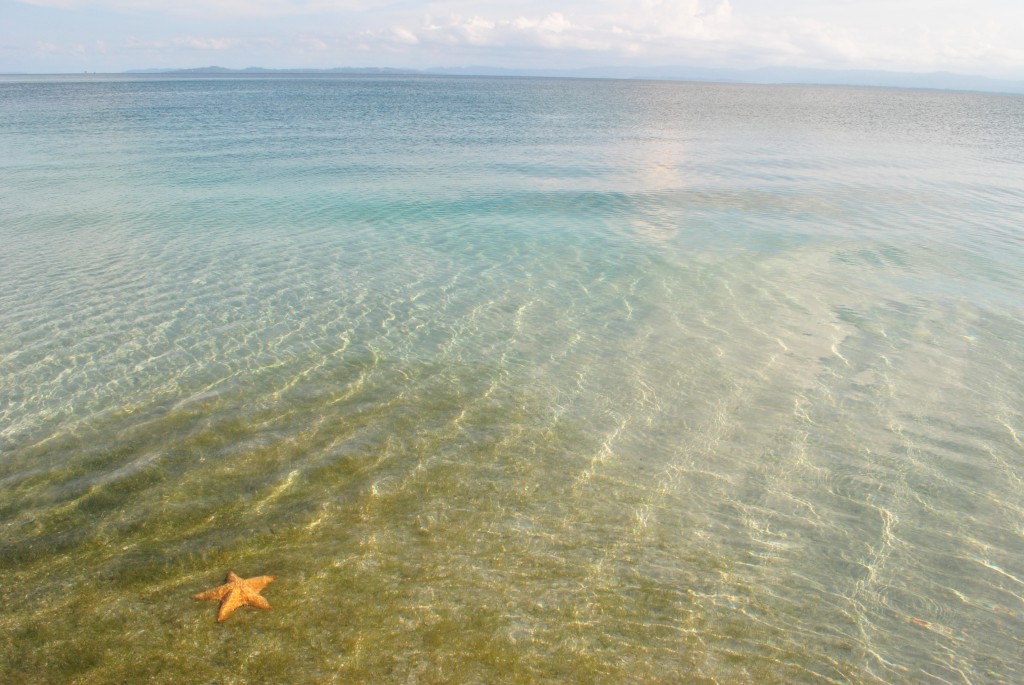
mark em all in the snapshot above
pixel 510 380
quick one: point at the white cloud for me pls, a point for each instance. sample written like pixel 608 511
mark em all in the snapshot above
pixel 986 36
pixel 181 42
pixel 313 43
pixel 703 32
pixel 404 36
pixel 655 28
pixel 215 8
pixel 206 43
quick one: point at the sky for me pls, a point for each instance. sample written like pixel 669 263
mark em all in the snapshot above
pixel 983 37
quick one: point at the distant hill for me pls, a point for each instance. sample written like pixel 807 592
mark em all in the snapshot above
pixel 939 80
pixel 262 70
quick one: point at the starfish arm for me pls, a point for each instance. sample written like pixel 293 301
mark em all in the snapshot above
pixel 216 593
pixel 233 577
pixel 258 602
pixel 260 582
pixel 231 601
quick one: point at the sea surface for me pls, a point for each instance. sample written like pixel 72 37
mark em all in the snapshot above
pixel 510 381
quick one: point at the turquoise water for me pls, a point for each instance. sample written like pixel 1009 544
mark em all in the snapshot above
pixel 510 380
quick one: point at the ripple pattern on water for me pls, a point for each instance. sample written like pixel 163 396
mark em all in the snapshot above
pixel 511 380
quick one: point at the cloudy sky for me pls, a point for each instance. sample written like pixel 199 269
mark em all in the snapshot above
pixel 977 36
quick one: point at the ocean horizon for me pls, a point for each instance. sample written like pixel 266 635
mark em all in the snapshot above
pixel 854 78
pixel 510 380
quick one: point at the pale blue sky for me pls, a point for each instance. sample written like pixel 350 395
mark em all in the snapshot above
pixel 981 36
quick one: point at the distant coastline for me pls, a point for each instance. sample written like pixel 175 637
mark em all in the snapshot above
pixel 939 80
pixel 262 70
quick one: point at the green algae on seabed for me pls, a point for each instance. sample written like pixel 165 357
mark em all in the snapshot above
pixel 510 380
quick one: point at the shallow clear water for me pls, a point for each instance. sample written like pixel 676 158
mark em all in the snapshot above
pixel 510 381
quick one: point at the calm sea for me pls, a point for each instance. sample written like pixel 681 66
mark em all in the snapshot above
pixel 510 380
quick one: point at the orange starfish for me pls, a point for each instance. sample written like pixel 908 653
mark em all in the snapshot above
pixel 238 592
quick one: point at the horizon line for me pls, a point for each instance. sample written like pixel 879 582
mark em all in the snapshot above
pixel 765 75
